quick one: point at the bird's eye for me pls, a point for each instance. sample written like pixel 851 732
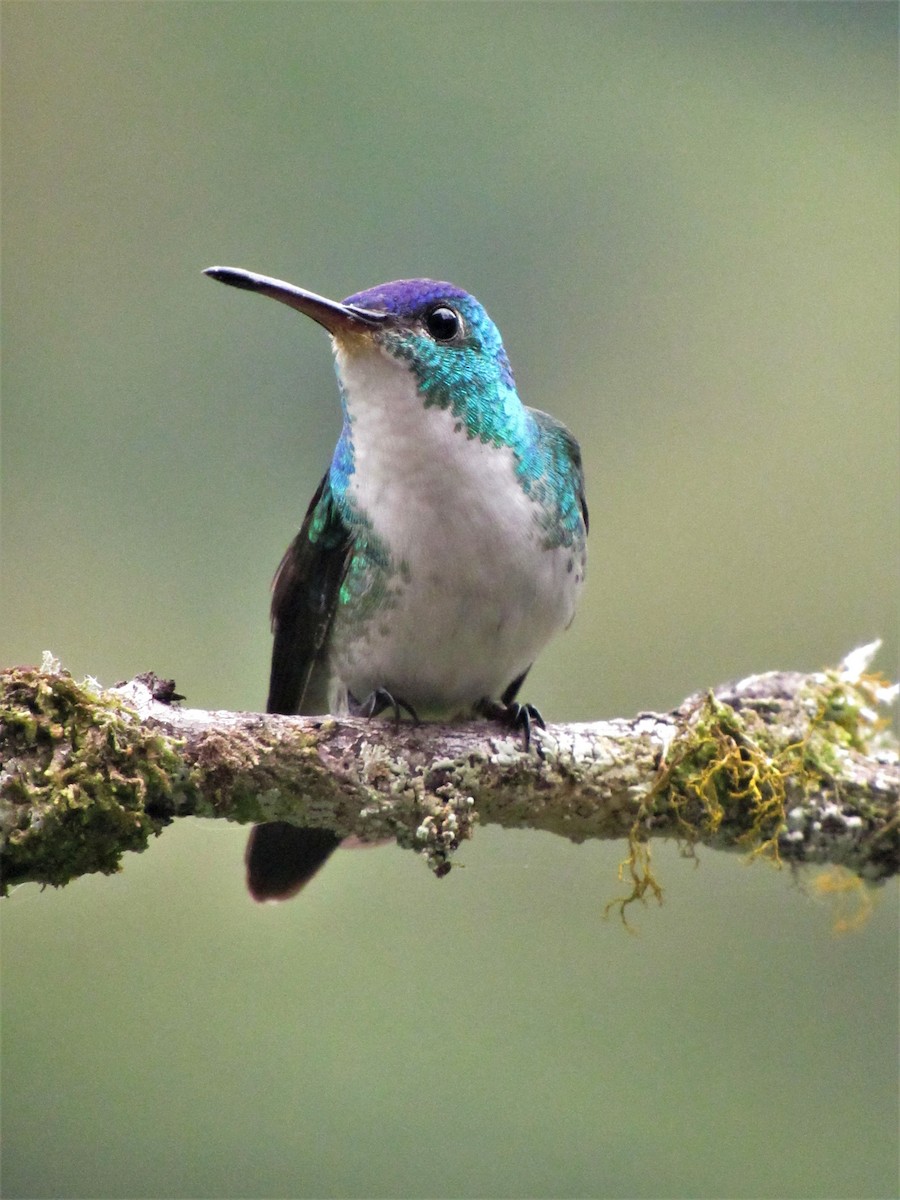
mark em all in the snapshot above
pixel 443 323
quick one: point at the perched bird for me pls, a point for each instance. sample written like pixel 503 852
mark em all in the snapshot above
pixel 442 550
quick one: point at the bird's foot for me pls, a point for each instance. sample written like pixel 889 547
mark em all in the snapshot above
pixel 524 717
pixel 377 701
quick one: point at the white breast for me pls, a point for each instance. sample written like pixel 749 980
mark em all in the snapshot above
pixel 480 595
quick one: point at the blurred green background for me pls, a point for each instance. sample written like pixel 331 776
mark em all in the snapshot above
pixel 683 219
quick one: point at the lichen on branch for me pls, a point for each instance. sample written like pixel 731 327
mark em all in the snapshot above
pixel 782 765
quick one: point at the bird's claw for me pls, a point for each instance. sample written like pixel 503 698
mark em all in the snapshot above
pixel 524 717
pixel 377 701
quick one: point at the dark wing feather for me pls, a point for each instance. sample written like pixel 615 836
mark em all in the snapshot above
pixel 304 596
pixel 574 452
pixel 281 858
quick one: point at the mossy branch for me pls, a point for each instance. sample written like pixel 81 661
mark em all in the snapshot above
pixel 790 766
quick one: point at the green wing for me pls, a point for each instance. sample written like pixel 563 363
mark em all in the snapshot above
pixel 563 461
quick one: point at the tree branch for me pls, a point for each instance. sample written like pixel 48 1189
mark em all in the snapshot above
pixel 786 765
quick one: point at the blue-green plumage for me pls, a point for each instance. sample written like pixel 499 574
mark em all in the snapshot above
pixel 446 543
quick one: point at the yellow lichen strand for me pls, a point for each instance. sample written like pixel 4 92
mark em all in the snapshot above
pixel 636 866
pixel 850 899
pixel 77 776
pixel 721 782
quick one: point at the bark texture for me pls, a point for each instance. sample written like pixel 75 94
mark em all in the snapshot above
pixel 792 766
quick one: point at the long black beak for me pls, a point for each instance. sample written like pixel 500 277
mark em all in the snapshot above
pixel 336 317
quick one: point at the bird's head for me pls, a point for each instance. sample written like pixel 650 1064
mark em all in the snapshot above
pixel 442 334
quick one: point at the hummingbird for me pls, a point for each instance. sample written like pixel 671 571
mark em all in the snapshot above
pixel 444 546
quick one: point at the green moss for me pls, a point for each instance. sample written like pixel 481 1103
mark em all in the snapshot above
pixel 731 773
pixel 79 771
pixel 722 781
